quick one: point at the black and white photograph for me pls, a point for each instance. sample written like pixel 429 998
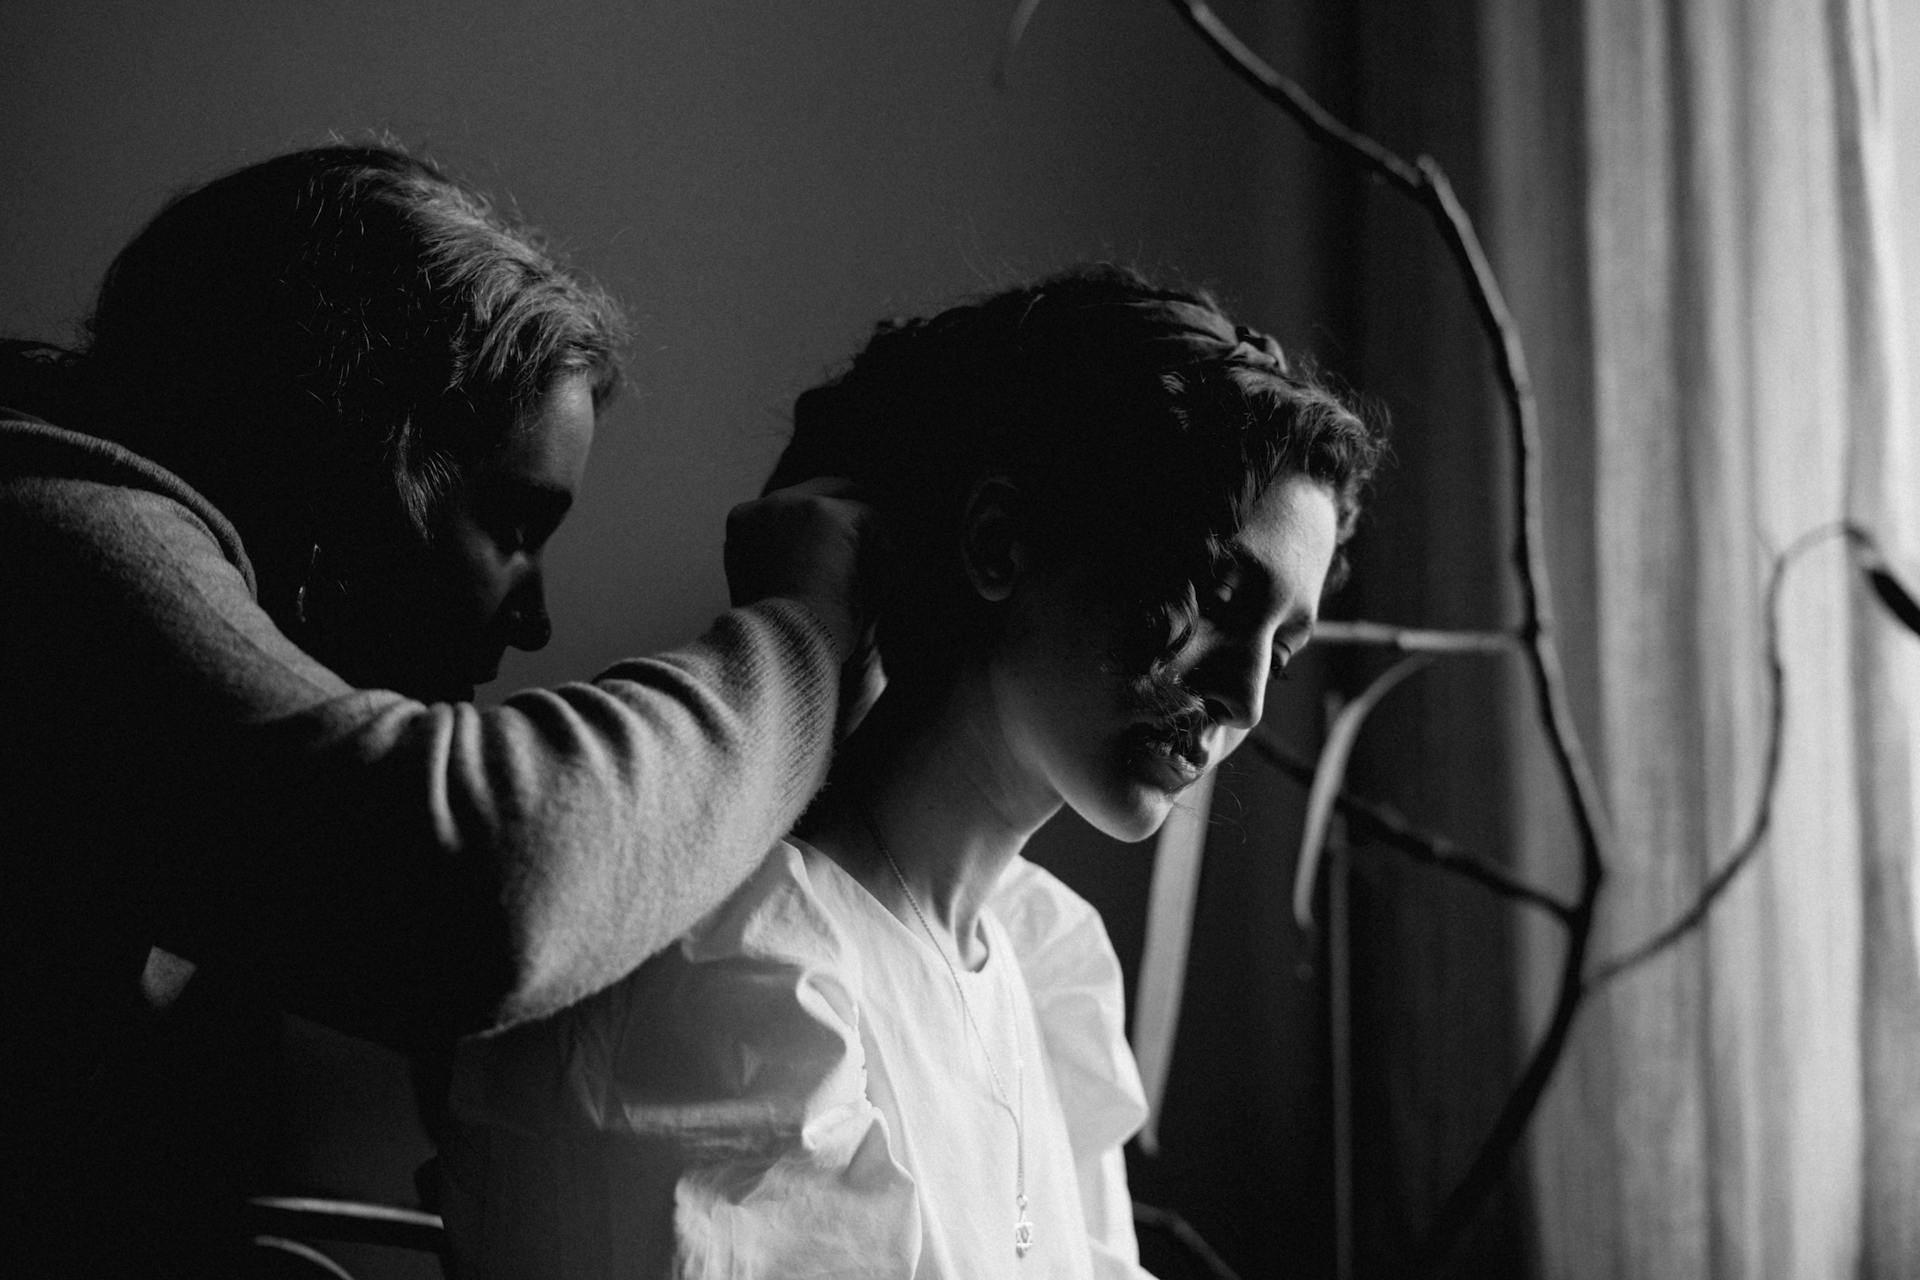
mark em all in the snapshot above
pixel 890 640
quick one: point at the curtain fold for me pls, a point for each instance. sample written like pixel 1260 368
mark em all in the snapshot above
pixel 1883 495
pixel 1747 1104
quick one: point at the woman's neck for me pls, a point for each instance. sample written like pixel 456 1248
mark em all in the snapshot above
pixel 928 785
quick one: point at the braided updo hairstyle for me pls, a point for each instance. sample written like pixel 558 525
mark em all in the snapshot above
pixel 1139 422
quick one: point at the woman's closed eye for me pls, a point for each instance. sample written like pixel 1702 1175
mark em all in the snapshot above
pixel 1283 655
pixel 1290 640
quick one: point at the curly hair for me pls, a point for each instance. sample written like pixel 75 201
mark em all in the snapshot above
pixel 320 342
pixel 1140 421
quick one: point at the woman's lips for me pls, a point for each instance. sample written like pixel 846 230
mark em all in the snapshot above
pixel 1171 753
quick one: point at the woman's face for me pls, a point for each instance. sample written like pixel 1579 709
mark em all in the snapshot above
pixel 1113 746
pixel 480 588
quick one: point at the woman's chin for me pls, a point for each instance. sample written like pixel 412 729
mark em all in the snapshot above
pixel 1132 817
pixel 1135 805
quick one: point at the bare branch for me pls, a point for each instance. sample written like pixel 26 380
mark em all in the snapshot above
pixel 1762 819
pixel 1390 827
pixel 1291 98
pixel 1417 639
pixel 1427 185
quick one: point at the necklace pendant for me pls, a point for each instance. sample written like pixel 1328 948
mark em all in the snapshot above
pixel 1022 1232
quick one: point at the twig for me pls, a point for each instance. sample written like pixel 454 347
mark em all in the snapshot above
pixel 1390 827
pixel 1417 639
pixel 1314 118
pixel 1427 185
pixel 1762 819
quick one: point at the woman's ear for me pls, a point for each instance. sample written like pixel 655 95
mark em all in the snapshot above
pixel 993 533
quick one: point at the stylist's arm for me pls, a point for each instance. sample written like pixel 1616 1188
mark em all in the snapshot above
pixel 259 542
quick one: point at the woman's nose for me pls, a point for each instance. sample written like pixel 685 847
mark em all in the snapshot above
pixel 1233 682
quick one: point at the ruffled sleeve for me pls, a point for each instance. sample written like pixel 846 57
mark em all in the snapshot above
pixel 713 1117
pixel 1079 997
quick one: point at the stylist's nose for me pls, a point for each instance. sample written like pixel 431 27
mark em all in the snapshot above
pixel 528 626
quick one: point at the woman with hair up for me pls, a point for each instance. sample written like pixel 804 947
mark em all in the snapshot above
pixel 898 1050
pixel 259 541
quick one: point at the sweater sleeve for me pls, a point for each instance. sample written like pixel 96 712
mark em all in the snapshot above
pixel 399 870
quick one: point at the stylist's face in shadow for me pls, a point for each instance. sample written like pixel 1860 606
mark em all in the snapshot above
pixel 446 614
pixel 489 549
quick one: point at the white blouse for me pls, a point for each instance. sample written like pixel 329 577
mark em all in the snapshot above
pixel 794 1089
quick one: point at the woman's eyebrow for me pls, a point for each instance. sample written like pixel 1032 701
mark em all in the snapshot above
pixel 1249 568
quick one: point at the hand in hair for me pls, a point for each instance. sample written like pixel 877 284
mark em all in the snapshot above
pixel 809 542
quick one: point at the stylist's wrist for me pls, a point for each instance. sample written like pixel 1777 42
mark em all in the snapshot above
pixel 803 543
pixel 835 619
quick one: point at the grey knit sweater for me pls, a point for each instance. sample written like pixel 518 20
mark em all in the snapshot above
pixel 176 773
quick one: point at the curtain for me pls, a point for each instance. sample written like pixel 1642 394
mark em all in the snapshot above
pixel 1746 1104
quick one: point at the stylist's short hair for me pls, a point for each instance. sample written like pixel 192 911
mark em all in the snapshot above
pixel 332 328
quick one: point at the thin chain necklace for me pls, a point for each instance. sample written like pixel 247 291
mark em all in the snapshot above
pixel 1022 1228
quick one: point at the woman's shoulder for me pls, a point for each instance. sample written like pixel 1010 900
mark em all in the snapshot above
pixel 1074 977
pixel 788 911
pixel 757 1004
pixel 773 956
pixel 717 1094
pixel 1047 921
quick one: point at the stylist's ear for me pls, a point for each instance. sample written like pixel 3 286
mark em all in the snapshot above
pixel 992 537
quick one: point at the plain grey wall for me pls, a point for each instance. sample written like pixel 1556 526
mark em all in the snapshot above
pixel 759 183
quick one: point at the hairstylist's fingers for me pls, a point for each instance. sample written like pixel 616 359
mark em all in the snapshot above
pixel 803 543
pixel 862 680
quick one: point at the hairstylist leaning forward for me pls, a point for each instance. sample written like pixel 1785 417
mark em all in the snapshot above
pixel 258 542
